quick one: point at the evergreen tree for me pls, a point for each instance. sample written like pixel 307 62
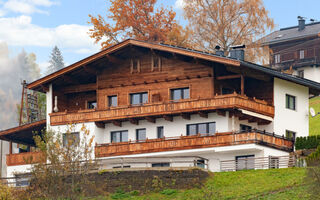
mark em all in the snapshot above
pixel 56 61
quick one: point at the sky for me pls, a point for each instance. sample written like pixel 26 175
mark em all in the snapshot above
pixel 37 25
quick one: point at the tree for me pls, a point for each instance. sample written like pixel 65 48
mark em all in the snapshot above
pixel 56 61
pixel 227 23
pixel 67 160
pixel 138 19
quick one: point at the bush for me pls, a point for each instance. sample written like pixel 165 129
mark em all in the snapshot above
pixel 168 191
pixel 310 142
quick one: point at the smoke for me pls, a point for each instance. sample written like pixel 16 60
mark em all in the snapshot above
pixel 12 72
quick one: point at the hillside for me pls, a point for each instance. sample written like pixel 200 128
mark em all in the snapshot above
pixel 251 184
pixel 314 122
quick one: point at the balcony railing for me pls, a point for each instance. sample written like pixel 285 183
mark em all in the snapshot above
pixel 24 158
pixel 159 109
pixel 193 142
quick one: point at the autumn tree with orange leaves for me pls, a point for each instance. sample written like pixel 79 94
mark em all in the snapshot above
pixel 140 20
pixel 228 23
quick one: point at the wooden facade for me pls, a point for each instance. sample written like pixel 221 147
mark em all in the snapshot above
pixel 193 142
pixel 24 158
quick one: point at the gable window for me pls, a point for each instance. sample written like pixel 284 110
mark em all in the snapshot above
pixel 155 63
pixel 201 128
pixel 277 58
pixel 113 101
pixel 160 133
pixel 180 93
pixel 301 73
pixel 71 139
pixel 301 54
pixel 91 104
pixel 135 65
pixel 141 134
pixel 290 134
pixel 119 136
pixel 139 98
pixel 290 102
pixel 245 128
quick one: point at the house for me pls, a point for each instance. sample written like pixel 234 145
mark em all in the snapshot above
pixel 156 105
pixel 296 49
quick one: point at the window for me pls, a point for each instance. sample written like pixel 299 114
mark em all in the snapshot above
pixel 125 166
pixel 141 134
pixel 70 139
pixel 139 98
pixel 245 162
pixel 113 101
pixel 155 63
pixel 245 128
pixel 201 128
pixel 277 58
pixel 160 132
pixel 290 102
pixel 92 105
pixel 301 73
pixel 290 134
pixel 135 65
pixel 201 163
pixel 180 93
pixel 160 164
pixel 119 136
pixel 273 162
pixel 301 53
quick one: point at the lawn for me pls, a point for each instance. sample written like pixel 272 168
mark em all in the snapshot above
pixel 251 184
pixel 314 122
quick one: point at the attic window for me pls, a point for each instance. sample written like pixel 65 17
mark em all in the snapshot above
pixel 135 65
pixel 155 63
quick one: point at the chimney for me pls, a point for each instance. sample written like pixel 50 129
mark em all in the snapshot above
pixel 302 23
pixel 237 52
pixel 218 51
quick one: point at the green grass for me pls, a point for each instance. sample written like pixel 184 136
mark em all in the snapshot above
pixel 251 184
pixel 314 122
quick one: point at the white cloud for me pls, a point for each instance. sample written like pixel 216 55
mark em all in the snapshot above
pixel 27 6
pixel 179 4
pixel 19 31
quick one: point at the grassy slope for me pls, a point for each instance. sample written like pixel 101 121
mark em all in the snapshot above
pixel 252 184
pixel 314 122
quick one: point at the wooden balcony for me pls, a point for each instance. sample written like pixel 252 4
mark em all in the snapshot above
pixel 24 158
pixel 193 142
pixel 232 101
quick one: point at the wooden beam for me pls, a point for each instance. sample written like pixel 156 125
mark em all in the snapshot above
pixel 185 116
pixel 79 88
pixel 100 124
pixel 70 79
pixel 168 118
pixel 90 70
pixel 203 114
pixel 228 77
pixel 117 123
pixel 242 85
pixel 113 59
pixel 134 121
pixel 44 88
pixel 151 119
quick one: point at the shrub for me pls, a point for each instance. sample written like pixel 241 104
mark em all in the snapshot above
pixel 168 191
pixel 310 142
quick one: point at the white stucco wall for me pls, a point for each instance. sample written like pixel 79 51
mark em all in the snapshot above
pixel 310 72
pixel 18 169
pixel 286 119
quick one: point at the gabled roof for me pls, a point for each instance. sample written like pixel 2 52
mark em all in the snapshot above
pixel 177 50
pixel 128 42
pixel 292 33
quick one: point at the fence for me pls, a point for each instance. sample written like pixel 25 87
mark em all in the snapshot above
pixel 270 162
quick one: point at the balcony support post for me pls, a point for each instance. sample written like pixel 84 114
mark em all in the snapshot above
pixel 242 85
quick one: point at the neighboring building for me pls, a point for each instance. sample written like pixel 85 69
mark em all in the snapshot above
pixel 296 49
pixel 146 101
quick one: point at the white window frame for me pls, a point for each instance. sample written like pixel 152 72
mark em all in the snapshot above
pixel 277 58
pixel 301 54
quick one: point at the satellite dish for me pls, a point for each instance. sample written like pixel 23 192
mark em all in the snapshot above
pixel 312 112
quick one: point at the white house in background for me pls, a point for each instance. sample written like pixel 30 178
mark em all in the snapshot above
pixel 155 105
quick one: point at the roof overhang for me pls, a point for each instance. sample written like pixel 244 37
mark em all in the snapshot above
pixel 23 134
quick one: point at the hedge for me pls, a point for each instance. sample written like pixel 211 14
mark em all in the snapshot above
pixel 310 142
